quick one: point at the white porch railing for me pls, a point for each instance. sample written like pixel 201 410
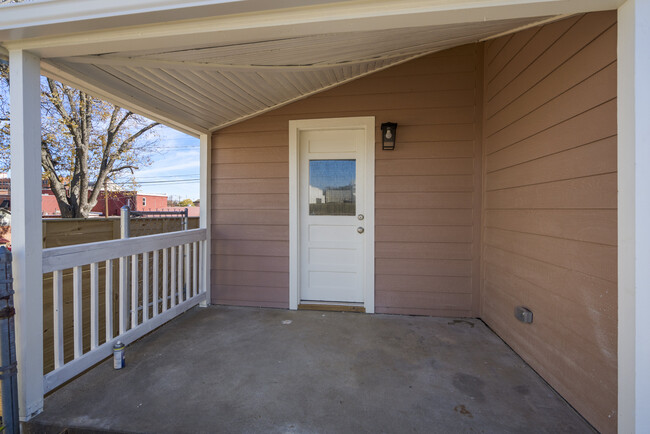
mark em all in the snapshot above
pixel 159 277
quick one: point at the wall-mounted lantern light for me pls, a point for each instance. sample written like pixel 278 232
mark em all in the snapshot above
pixel 388 133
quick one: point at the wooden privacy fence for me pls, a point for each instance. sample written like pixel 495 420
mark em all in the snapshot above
pixel 66 232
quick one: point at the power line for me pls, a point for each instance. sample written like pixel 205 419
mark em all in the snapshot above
pixel 164 178
pixel 185 181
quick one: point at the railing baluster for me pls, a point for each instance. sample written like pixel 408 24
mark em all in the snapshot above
pixel 154 289
pixel 145 286
pixel 165 294
pixel 94 305
pixel 134 291
pixel 188 275
pixel 123 300
pixel 202 260
pixel 180 273
pixel 195 267
pixel 109 300
pixel 173 277
pixel 57 301
pixel 77 309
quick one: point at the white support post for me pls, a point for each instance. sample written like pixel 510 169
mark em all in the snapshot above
pixel 26 231
pixel 633 216
pixel 205 213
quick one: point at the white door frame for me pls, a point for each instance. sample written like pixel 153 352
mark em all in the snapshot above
pixel 295 127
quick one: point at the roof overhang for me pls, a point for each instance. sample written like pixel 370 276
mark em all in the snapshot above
pixel 202 65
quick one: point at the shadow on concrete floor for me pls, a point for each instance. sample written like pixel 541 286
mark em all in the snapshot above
pixel 229 369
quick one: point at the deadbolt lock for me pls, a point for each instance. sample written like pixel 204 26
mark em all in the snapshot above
pixel 360 216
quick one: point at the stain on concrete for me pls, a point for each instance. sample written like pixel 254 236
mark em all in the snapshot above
pixel 522 389
pixel 462 410
pixel 470 385
pixel 461 321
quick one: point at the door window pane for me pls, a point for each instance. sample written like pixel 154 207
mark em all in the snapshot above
pixel 332 187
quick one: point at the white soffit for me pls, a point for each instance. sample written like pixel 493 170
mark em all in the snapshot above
pixel 209 87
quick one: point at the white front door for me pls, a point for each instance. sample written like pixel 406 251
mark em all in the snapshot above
pixel 332 213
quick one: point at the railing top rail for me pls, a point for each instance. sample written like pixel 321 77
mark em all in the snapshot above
pixel 158 213
pixel 61 258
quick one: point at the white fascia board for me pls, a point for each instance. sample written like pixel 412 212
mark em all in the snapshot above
pixel 47 12
pixel 50 17
pixel 301 21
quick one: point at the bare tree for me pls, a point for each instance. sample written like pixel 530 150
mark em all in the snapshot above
pixel 4 114
pixel 84 141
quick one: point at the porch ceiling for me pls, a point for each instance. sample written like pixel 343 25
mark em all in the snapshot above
pixel 215 85
pixel 201 74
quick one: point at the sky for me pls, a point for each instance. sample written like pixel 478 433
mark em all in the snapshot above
pixel 175 169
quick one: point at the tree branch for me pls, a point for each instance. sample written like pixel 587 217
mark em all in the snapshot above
pixel 125 144
pixel 119 169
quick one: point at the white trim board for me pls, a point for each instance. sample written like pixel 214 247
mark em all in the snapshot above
pixel 295 127
pixel 633 210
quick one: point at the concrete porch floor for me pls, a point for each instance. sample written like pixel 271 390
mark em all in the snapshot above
pixel 228 369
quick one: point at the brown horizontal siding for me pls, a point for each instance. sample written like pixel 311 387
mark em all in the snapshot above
pixel 262 232
pixel 557 280
pixel 585 96
pixel 251 263
pixel 423 267
pixel 588 225
pixel 410 150
pixel 279 201
pixel 596 260
pixel 426 190
pixel 425 166
pixel 250 248
pixel 251 217
pixel 436 200
pixel 424 250
pixel 550 197
pixel 556 61
pixel 416 116
pixel 593 124
pixel 598 191
pixel 250 170
pixel 428 234
pixel 427 183
pixel 424 217
pixel 446 304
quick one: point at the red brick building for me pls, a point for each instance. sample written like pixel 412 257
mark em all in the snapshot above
pixel 111 204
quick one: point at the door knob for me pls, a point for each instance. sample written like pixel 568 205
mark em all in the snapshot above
pixel 360 229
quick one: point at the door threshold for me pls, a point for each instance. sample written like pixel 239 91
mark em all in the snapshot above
pixel 332 306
